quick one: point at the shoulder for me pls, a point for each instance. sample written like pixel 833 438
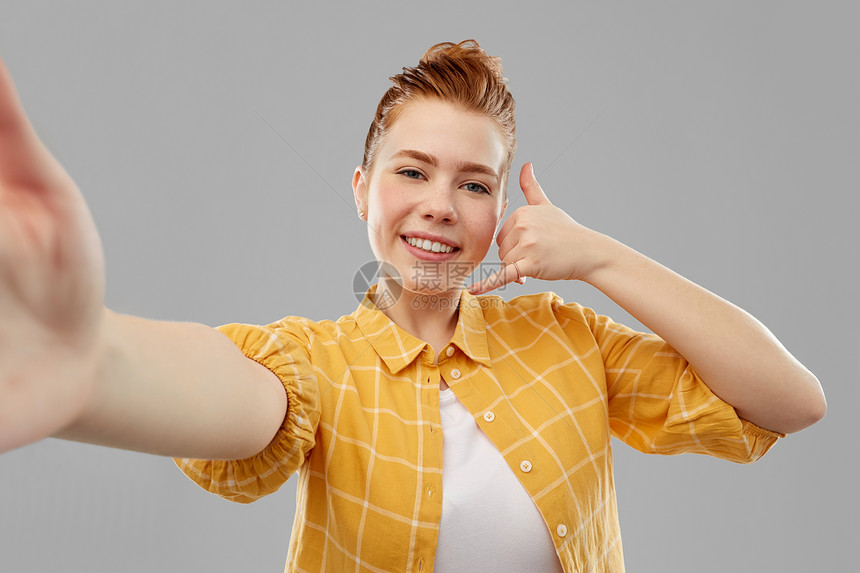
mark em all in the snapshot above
pixel 544 309
pixel 294 344
pixel 297 329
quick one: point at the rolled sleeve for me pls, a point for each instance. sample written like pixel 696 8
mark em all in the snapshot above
pixel 249 479
pixel 658 404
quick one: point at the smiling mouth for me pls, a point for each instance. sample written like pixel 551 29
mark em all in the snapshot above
pixel 429 246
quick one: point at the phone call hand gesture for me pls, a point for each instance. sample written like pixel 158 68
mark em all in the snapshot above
pixel 540 240
pixel 51 284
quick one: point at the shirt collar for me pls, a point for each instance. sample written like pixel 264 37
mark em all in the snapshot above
pixel 398 348
pixel 471 333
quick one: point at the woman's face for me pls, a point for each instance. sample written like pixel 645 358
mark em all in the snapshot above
pixel 434 195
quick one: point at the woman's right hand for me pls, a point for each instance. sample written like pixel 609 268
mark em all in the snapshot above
pixel 51 285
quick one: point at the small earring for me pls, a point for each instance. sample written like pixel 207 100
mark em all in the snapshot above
pixel 361 214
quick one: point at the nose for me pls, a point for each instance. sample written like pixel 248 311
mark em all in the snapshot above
pixel 439 206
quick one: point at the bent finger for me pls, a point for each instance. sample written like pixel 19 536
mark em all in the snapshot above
pixel 508 274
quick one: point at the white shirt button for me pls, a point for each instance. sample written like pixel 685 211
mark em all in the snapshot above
pixel 489 416
pixel 455 374
pixel 561 530
pixel 449 351
pixel 526 466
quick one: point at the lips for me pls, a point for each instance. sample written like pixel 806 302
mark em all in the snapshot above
pixel 429 245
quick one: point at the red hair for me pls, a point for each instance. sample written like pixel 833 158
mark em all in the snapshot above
pixel 461 74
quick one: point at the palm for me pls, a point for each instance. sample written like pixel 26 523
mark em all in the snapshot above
pixel 51 282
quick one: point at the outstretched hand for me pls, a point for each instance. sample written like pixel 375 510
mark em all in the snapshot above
pixel 539 240
pixel 51 282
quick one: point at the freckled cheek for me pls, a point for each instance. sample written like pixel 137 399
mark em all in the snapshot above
pixel 384 207
pixel 390 203
pixel 484 231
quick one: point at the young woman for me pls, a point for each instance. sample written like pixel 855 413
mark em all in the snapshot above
pixel 435 428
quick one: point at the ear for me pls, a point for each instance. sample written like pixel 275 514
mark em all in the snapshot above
pixel 359 190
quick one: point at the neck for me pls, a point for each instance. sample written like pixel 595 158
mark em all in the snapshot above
pixel 429 317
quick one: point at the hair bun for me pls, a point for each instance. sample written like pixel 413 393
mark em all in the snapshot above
pixel 463 75
pixel 466 51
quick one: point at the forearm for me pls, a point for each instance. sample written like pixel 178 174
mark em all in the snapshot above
pixel 737 357
pixel 178 389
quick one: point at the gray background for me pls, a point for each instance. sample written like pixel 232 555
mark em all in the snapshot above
pixel 726 147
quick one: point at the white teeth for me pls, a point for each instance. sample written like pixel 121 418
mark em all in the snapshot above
pixel 428 245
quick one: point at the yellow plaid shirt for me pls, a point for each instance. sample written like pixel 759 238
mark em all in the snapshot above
pixel 547 382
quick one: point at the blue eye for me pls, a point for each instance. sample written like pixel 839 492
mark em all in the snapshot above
pixel 476 188
pixel 410 173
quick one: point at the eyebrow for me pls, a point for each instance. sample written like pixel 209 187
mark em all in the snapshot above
pixel 462 166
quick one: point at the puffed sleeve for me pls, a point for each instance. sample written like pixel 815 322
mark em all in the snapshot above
pixel 247 480
pixel 659 405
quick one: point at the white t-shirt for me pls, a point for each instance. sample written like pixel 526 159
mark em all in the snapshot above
pixel 489 522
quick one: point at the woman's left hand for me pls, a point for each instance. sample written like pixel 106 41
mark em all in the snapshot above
pixel 540 240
